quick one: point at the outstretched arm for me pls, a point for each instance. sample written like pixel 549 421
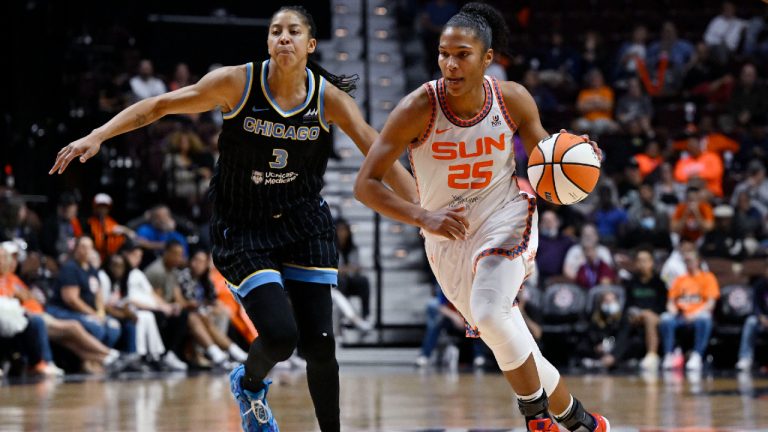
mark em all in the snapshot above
pixel 222 87
pixel 342 110
pixel 404 125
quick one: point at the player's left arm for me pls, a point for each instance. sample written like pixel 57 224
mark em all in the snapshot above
pixel 341 109
pixel 523 110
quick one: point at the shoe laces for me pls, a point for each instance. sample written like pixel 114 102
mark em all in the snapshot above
pixel 259 410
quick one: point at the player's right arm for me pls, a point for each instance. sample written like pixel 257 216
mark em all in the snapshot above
pixel 222 87
pixel 405 125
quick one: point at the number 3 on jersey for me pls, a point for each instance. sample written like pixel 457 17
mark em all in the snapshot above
pixel 460 173
pixel 281 159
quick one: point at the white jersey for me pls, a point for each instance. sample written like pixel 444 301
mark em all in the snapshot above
pixel 466 163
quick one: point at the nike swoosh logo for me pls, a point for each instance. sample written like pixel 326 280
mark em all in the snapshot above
pixel 254 109
pixel 440 131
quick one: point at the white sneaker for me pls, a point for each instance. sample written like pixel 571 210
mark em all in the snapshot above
pixel 451 357
pixel 479 361
pixel 111 357
pixel 694 362
pixel 237 354
pixel 650 362
pixel 173 362
pixel 669 361
pixel 744 364
pixel 52 370
pixel 217 356
pixel 422 361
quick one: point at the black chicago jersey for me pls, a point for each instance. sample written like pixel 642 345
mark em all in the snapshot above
pixel 272 160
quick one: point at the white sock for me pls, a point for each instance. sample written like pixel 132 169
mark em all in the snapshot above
pixel 567 410
pixel 535 395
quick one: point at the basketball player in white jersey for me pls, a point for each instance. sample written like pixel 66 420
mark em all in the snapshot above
pixel 480 230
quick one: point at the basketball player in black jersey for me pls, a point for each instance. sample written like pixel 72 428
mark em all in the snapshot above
pixel 273 236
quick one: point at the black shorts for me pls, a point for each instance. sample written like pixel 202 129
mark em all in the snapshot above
pixel 299 245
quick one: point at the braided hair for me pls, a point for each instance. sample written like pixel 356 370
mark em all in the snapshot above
pixel 486 22
pixel 345 83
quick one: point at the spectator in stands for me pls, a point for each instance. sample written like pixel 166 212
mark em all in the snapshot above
pixel 700 164
pixel 68 333
pixel 433 17
pixel 674 266
pixel 181 77
pixel 635 107
pixel 575 257
pixel 706 79
pixel 594 271
pixel 553 245
pixel 442 316
pixel 145 84
pixel 557 63
pixel 630 52
pixel 541 94
pixel 694 217
pixel 667 190
pixel 755 324
pixel 160 229
pixel 186 178
pixel 749 219
pixel 754 188
pixel 726 240
pixel 646 300
pixel 60 230
pixel 647 221
pixel 18 222
pixel 690 303
pixel 607 338
pixel 107 234
pixel 77 296
pixel 30 337
pixel 593 55
pixel 115 307
pixel 650 159
pixel 352 282
pixel 749 100
pixel 171 319
pixel 199 295
pixel 676 51
pixel 609 218
pixel 595 104
pixel 164 276
pixel 724 32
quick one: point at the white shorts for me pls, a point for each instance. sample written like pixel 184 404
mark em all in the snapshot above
pixel 511 232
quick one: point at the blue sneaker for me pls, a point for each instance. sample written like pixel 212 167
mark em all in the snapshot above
pixel 255 413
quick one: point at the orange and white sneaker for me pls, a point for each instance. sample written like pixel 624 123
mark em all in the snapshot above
pixel 542 425
pixel 602 423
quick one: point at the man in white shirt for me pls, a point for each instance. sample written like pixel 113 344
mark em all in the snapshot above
pixel 725 29
pixel 145 84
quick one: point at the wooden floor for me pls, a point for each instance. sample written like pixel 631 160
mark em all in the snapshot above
pixel 381 399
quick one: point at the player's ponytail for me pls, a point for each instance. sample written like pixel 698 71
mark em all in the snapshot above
pixel 345 83
pixel 486 22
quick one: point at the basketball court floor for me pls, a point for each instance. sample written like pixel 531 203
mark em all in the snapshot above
pixel 376 398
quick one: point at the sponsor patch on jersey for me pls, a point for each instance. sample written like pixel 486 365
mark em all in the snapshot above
pixel 272 178
pixel 257 177
pixel 496 121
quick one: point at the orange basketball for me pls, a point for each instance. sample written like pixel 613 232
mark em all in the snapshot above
pixel 563 168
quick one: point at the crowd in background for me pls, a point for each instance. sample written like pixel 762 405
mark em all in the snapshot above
pixel 119 280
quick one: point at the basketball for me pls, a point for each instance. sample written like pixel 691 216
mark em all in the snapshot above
pixel 563 168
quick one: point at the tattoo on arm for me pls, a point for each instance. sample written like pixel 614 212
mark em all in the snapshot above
pixel 141 119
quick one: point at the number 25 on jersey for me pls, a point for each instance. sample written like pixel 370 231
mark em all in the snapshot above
pixel 480 174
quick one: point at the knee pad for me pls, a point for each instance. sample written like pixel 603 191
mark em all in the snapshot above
pixel 492 314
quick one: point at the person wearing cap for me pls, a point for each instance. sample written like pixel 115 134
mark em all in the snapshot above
pixel 700 163
pixel 755 186
pixel 107 234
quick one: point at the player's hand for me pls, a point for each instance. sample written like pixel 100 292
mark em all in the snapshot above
pixel 448 223
pixel 597 150
pixel 85 148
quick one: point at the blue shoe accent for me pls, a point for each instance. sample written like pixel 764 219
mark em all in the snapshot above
pixel 255 414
